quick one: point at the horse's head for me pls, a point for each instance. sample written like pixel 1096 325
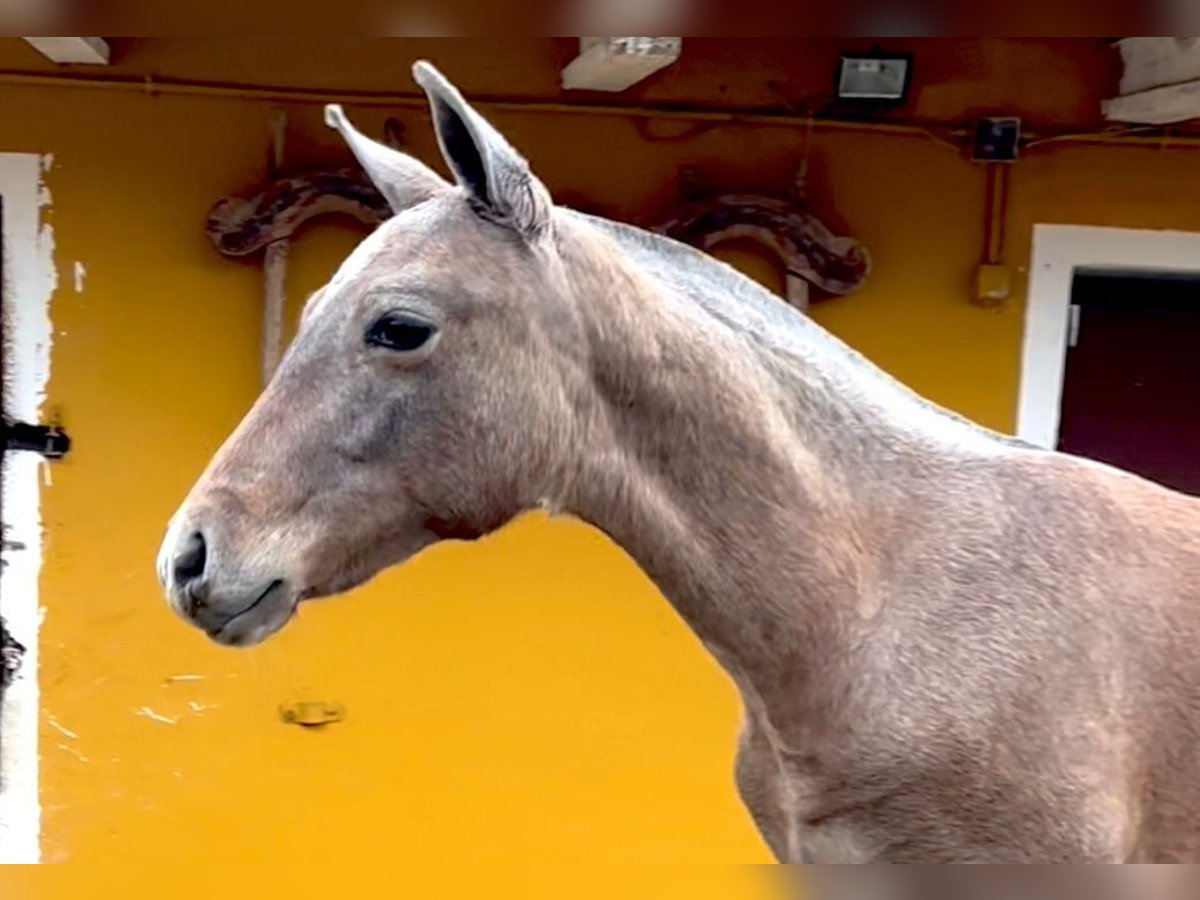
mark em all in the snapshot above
pixel 428 393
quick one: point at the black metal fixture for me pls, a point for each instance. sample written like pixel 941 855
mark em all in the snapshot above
pixel 48 440
pixel 10 657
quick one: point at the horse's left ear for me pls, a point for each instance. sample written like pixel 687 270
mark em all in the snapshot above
pixel 496 177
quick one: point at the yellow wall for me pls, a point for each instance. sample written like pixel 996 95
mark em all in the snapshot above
pixel 530 697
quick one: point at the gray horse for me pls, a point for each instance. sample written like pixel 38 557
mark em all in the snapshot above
pixel 952 647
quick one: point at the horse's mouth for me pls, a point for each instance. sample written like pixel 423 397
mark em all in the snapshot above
pixel 268 613
pixel 278 602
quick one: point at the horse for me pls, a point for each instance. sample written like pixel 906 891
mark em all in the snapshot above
pixel 951 646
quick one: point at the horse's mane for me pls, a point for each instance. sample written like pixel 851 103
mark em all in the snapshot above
pixel 782 332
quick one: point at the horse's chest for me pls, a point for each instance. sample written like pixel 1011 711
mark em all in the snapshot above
pixel 790 798
pixel 818 833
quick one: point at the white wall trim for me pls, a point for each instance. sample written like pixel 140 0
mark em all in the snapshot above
pixel 1059 251
pixel 29 282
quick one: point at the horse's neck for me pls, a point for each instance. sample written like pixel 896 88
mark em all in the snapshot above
pixel 758 489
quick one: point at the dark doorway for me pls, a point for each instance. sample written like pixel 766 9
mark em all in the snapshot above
pixel 1131 390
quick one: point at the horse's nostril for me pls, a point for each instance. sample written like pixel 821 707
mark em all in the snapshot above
pixel 190 561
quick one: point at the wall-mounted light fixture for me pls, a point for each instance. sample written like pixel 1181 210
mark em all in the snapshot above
pixel 876 77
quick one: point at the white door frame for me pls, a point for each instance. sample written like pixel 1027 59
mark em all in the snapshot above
pixel 1059 251
pixel 29 280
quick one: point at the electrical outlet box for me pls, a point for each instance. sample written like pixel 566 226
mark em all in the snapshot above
pixel 996 139
pixel 993 283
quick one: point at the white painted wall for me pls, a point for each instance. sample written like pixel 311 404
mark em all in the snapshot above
pixel 29 281
pixel 1058 252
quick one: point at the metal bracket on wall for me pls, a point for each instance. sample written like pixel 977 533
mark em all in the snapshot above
pixel 311 713
pixel 285 202
pixel 809 251
pixel 270 219
pixel 48 440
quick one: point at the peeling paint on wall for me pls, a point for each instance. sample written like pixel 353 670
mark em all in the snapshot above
pixel 29 281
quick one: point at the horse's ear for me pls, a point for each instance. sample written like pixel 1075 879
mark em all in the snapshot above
pixel 496 177
pixel 403 180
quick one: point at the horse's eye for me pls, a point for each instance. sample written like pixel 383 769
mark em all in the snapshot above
pixel 400 331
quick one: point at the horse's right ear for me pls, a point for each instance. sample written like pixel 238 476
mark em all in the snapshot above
pixel 403 180
pixel 495 177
